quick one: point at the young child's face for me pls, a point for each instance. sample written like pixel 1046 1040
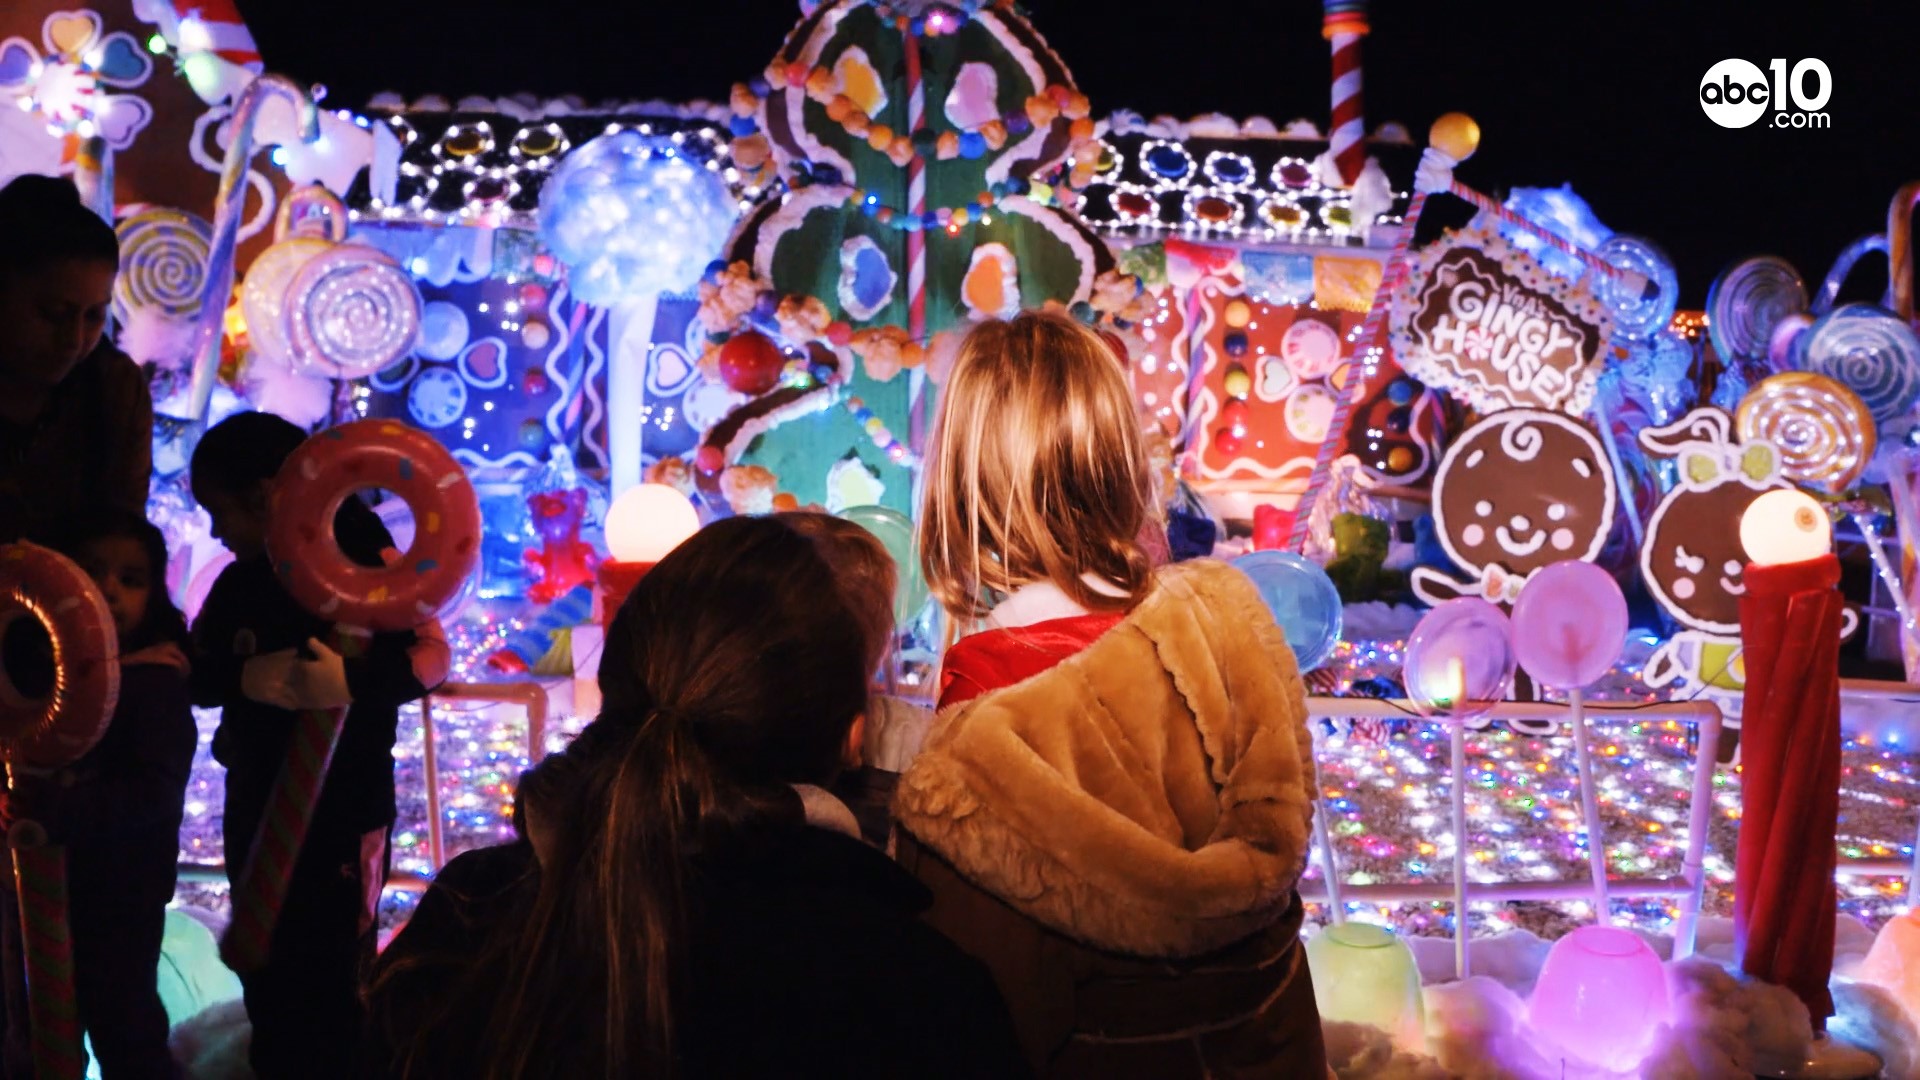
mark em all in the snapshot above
pixel 239 520
pixel 118 564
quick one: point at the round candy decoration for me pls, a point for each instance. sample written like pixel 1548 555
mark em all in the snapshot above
pixel 59 725
pixel 1309 413
pixel 351 311
pixel 1872 352
pixel 163 264
pixel 1303 599
pixel 1638 313
pixel 443 330
pixel 1748 301
pixel 437 397
pixel 1824 432
pixel 263 295
pixel 328 469
pixel 750 363
pixel 1311 348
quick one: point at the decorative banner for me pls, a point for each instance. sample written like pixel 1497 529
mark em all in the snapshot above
pixel 1345 284
pixel 1517 492
pixel 1484 321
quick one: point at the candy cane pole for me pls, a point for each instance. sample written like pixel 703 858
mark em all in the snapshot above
pixel 1345 24
pixel 262 889
pixel 916 238
pixel 229 210
pixel 1390 277
pixel 40 883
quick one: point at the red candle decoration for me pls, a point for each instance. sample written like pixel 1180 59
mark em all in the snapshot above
pixel 643 524
pixel 1790 749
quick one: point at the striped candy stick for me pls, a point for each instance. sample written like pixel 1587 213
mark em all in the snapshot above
pixel 1343 27
pixel 1370 331
pixel 40 882
pixel 262 890
pixel 916 238
pixel 1593 262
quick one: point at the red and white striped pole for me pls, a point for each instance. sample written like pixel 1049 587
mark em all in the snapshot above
pixel 1345 24
pixel 916 238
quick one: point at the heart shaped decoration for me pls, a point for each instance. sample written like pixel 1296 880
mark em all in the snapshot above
pixel 120 118
pixel 16 62
pixel 122 62
pixel 70 32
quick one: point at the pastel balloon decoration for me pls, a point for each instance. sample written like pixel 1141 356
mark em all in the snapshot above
pixel 629 214
pixel 895 533
pixel 1365 974
pixel 750 363
pixel 1824 432
pixel 1303 600
pixel 1569 625
pixel 1872 352
pixel 1601 998
pixel 1459 660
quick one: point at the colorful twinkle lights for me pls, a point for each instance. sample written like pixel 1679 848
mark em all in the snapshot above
pixel 1384 785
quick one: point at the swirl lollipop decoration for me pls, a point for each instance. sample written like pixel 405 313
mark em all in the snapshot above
pixel 1748 301
pixel 351 311
pixel 1637 314
pixel 1824 432
pixel 163 264
pixel 1873 353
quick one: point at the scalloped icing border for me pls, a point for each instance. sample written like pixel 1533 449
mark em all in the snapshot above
pixel 1576 297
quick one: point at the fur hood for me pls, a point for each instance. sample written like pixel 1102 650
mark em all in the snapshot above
pixel 1151 795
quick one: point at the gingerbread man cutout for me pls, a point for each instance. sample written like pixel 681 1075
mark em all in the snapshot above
pixel 1517 492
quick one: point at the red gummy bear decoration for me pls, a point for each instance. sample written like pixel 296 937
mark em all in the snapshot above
pixel 564 562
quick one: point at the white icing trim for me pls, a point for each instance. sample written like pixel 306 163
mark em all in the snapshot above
pixel 793 211
pixel 1056 224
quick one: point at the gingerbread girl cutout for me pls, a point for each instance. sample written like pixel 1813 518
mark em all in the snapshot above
pixel 1692 560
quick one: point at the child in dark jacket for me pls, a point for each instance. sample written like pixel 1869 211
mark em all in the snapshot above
pixel 688 900
pixel 117 810
pixel 262 658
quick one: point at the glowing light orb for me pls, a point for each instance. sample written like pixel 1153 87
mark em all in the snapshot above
pixel 1601 998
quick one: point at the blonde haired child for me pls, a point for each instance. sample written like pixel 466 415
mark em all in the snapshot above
pixel 1113 804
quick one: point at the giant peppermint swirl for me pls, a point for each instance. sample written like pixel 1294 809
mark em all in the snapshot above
pixel 1872 352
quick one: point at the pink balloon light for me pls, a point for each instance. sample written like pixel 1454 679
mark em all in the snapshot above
pixel 1569 625
pixel 1601 998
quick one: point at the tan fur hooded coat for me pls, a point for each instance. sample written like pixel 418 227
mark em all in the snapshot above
pixel 1151 795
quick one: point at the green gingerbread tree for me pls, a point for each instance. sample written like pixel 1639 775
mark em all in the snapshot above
pixel 915 142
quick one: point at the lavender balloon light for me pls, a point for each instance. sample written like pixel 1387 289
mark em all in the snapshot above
pixel 1601 998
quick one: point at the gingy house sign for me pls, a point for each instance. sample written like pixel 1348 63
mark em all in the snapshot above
pixel 1488 324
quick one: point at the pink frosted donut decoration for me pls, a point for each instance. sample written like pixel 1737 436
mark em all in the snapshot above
pixel 414 467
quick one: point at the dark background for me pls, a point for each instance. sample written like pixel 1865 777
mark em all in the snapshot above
pixel 1601 95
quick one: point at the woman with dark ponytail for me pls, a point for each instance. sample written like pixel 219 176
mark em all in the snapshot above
pixel 691 901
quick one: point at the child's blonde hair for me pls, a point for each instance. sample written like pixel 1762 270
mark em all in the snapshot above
pixel 1036 471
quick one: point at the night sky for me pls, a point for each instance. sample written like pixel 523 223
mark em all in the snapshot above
pixel 1601 95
